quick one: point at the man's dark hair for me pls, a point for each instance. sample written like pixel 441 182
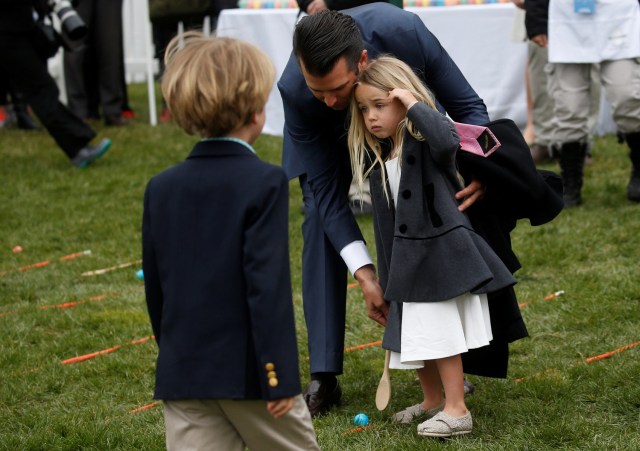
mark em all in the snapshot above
pixel 321 39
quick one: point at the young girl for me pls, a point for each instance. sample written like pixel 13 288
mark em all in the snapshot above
pixel 436 271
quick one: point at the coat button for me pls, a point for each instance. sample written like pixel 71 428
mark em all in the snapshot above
pixel 411 159
pixel 269 366
pixel 273 382
pixel 403 228
pixel 406 194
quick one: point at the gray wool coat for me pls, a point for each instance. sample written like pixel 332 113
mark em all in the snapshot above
pixel 427 249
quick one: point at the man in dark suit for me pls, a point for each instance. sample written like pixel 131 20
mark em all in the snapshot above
pixel 328 50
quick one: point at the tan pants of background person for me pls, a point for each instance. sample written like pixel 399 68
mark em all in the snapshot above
pixel 229 425
pixel 570 88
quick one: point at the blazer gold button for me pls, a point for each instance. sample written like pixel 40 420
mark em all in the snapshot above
pixel 273 382
pixel 271 374
pixel 269 366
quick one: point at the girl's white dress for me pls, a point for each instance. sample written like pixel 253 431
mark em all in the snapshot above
pixel 433 330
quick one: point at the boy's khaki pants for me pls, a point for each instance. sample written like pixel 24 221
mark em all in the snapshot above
pixel 229 425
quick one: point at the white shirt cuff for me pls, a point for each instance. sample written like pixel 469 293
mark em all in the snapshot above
pixel 356 255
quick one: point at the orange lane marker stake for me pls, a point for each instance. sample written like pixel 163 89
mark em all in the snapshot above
pixel 546 298
pixel 362 346
pixel 64 305
pixel 145 407
pixel 75 255
pixel 44 263
pixel 358 429
pixel 97 272
pixel 82 358
pixel 554 295
pixel 352 285
pixel 74 303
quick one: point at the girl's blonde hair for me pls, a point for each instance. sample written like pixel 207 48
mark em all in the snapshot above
pixel 384 73
pixel 214 85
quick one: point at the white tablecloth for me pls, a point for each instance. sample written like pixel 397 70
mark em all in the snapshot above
pixel 478 38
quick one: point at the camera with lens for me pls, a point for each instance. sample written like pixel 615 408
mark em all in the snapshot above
pixel 71 24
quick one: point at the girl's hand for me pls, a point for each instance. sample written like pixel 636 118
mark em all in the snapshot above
pixel 403 96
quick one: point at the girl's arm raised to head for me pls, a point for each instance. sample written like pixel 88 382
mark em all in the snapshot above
pixel 438 131
pixel 404 96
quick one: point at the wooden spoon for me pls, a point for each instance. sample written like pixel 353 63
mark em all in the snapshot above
pixel 383 394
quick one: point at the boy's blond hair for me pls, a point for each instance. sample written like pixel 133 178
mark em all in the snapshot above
pixel 214 85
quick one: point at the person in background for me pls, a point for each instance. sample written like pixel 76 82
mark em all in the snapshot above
pixel 218 291
pixel 540 104
pixel 13 108
pixel 97 64
pixel 166 15
pixel 25 68
pixel 612 30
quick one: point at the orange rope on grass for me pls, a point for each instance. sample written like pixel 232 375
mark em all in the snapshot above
pixel 82 358
pixel 603 356
pixel 606 355
pixel 145 407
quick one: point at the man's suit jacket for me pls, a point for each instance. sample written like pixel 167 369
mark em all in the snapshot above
pixel 216 270
pixel 315 136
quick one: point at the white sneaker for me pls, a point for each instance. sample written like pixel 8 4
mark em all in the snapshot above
pixel 407 415
pixel 444 425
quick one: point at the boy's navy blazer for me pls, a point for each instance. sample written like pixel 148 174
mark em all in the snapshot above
pixel 315 137
pixel 217 279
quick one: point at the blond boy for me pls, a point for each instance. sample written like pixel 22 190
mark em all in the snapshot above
pixel 216 262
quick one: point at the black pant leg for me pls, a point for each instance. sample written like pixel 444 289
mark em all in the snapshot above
pixel 28 74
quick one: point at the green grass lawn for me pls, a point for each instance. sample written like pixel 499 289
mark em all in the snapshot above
pixel 552 399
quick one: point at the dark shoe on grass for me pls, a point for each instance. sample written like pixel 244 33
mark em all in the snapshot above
pixel 90 153
pixel 321 395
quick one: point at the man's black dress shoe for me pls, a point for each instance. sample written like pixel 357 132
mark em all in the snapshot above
pixel 321 396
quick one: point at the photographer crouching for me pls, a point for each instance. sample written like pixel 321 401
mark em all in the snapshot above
pixel 24 51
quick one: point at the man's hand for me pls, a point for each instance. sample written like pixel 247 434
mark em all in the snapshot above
pixel 279 407
pixel 473 192
pixel 540 39
pixel 377 308
pixel 316 6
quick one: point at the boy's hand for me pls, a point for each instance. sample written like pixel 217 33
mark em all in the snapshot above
pixel 279 407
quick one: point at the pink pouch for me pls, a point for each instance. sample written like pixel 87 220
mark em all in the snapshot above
pixel 477 139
